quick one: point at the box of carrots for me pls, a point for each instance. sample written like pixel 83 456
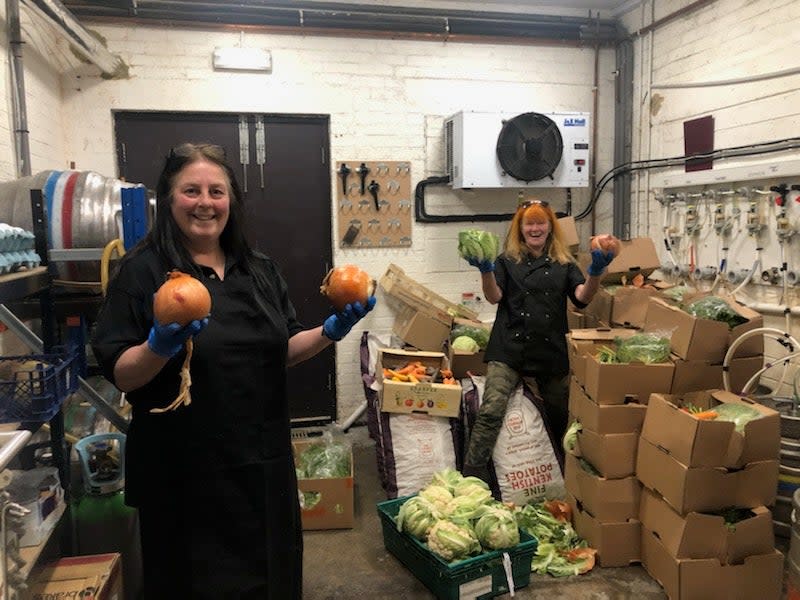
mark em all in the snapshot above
pixel 418 382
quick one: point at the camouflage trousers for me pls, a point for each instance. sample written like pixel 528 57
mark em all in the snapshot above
pixel 501 381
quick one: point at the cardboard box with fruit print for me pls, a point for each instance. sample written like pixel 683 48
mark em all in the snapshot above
pixel 427 388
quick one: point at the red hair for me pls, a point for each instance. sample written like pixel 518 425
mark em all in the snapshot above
pixel 537 212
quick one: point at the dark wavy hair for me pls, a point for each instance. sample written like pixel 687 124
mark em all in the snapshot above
pixel 165 236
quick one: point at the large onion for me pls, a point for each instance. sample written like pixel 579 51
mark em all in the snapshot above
pixel 347 284
pixel 606 243
pixel 181 299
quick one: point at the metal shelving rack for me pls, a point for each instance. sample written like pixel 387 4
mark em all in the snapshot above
pixel 38 282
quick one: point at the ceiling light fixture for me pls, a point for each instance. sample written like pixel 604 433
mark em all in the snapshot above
pixel 239 58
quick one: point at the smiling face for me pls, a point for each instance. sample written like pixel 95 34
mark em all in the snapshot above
pixel 201 203
pixel 535 228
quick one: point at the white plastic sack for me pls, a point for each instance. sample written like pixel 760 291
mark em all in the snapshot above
pixel 524 460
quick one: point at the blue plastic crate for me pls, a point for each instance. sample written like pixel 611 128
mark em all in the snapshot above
pixel 478 577
pixel 32 387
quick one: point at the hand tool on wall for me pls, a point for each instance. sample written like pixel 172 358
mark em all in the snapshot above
pixel 373 188
pixel 344 171
pixel 363 171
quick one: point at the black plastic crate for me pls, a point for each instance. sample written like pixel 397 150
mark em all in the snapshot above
pixel 479 577
pixel 32 387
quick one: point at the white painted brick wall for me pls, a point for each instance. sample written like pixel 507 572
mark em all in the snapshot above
pixel 721 41
pixel 387 100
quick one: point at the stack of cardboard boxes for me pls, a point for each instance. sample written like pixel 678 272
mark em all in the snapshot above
pixel 609 401
pixel 645 474
pixel 696 473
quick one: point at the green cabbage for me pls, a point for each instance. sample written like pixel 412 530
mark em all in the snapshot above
pixel 479 334
pixel 478 244
pixel 465 344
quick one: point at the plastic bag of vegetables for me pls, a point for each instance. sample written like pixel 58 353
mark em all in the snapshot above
pixel 641 347
pixel 478 244
pixel 328 458
pixel 716 309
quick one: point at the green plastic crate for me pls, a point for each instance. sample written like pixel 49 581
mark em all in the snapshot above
pixel 479 577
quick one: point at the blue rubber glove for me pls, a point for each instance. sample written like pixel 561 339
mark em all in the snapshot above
pixel 600 260
pixel 339 324
pixel 484 266
pixel 168 340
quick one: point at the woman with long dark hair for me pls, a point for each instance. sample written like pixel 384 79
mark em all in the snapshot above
pixel 214 481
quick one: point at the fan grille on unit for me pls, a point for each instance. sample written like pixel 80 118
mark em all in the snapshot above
pixel 529 146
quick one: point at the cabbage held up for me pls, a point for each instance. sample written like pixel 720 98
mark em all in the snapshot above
pixel 478 245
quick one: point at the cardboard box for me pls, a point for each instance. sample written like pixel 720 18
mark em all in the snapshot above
pixel 402 288
pixel 712 443
pixel 436 399
pixel 637 255
pixel 614 383
pixel 420 330
pixel 700 535
pixel 614 418
pixel 696 375
pixel 73 576
pixel 693 338
pixel 741 370
pixel 332 498
pixel 611 500
pixel 575 319
pixel 630 305
pixel 598 312
pixel 760 577
pixel 612 454
pixel 705 489
pixel 462 363
pixel 617 544
pixel 569 232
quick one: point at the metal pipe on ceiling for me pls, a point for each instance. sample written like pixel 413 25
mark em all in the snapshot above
pixel 87 45
pixel 443 23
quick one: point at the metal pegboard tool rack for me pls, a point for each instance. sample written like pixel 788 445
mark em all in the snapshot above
pixel 374 204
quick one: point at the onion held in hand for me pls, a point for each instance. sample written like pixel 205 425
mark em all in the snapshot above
pixel 181 299
pixel 347 284
pixel 606 243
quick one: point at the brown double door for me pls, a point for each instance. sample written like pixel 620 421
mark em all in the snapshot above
pixel 283 164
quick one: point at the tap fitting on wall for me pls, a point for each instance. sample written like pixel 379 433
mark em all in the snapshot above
pixel 705 272
pixel 771 276
pixel 738 276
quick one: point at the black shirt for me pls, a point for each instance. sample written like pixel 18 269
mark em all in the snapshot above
pixel 239 409
pixel 529 333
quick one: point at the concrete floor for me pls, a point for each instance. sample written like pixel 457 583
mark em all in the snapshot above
pixel 353 563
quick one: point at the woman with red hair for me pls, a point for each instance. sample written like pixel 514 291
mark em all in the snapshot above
pixel 530 282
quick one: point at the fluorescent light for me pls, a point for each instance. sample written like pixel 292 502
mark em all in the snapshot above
pixel 238 58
